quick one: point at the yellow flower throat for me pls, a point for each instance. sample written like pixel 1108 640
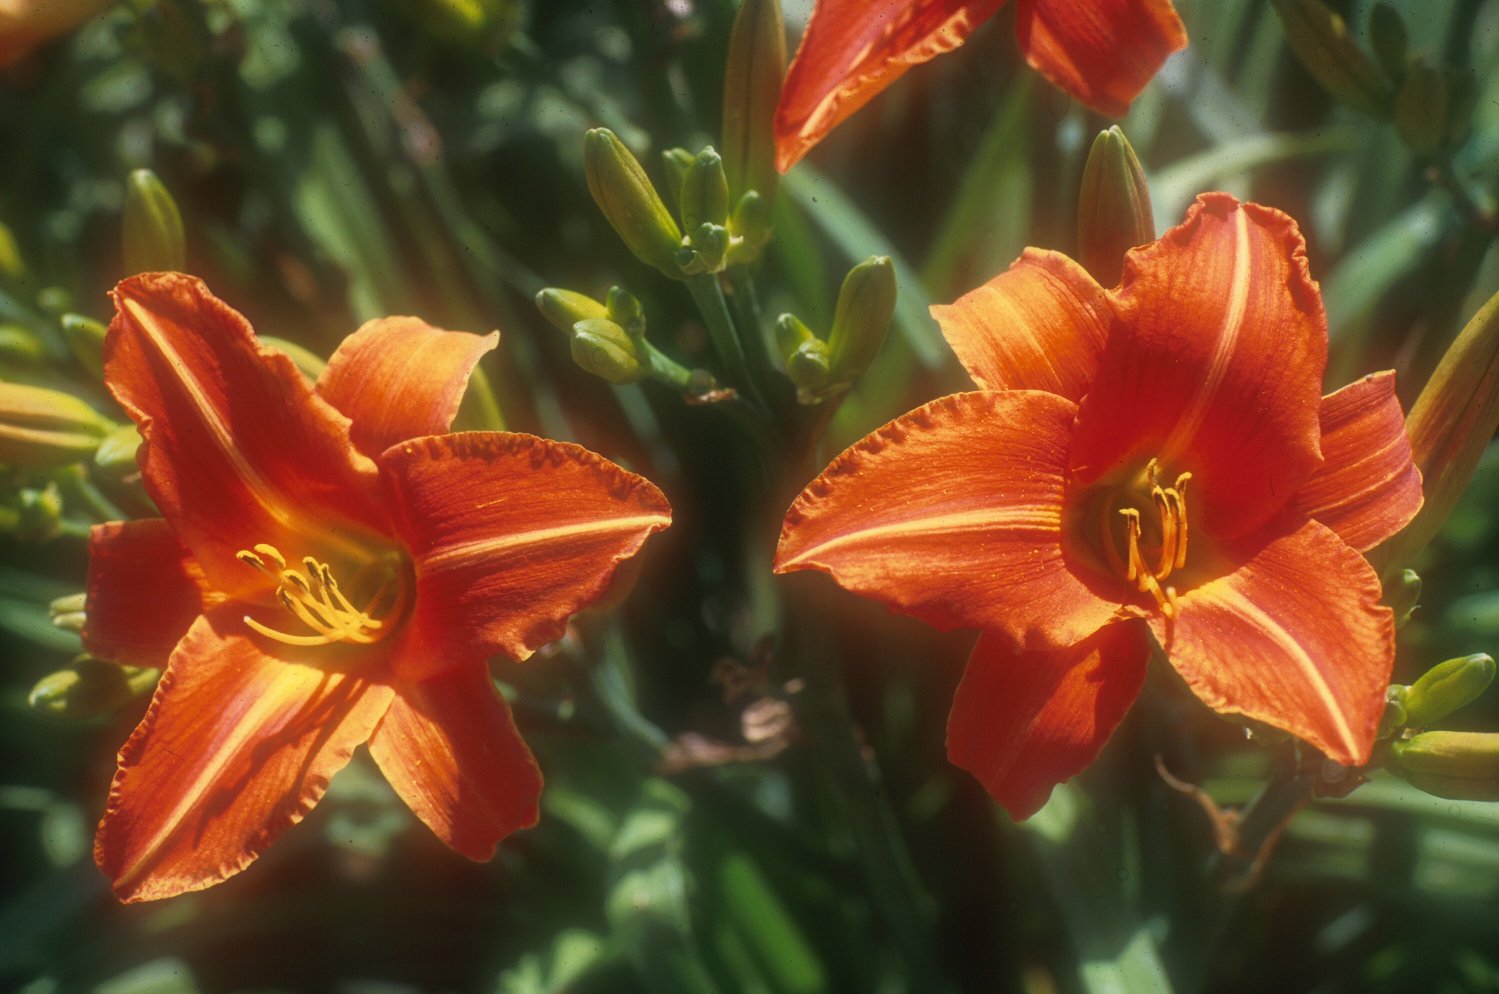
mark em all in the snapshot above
pixel 1168 540
pixel 313 597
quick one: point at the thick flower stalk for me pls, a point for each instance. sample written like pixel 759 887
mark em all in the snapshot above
pixel 331 569
pixel 1101 52
pixel 1153 463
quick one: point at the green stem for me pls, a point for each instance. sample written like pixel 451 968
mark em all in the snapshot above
pixel 708 296
pixel 747 304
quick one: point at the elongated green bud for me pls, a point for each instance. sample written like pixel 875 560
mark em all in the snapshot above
pixel 1453 754
pixel 1450 425
pixel 85 339
pixel 41 427
pixel 749 229
pixel 866 306
pixel 676 162
pixel 154 239
pixel 1403 595
pixel 1454 788
pixel 791 333
pixel 629 201
pixel 1113 207
pixel 607 351
pixel 1319 37
pixel 565 308
pixel 88 688
pixel 752 87
pixel 1422 108
pixel 116 453
pixel 705 192
pixel 19 342
pixel 1446 687
pixel 625 310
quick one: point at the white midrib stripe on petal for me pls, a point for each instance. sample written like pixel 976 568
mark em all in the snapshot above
pixel 477 552
pixel 986 519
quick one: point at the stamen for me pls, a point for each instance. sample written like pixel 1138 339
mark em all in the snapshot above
pixel 1171 507
pixel 315 600
pixel 1181 513
pixel 272 554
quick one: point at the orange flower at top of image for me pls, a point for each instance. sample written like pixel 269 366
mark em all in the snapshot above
pixel 331 568
pixel 1153 460
pixel 1102 52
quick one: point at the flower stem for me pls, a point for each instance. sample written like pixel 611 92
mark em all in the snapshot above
pixel 710 302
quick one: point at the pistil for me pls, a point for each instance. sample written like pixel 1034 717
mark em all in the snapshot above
pixel 313 597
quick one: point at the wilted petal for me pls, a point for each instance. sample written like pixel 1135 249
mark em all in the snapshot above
pixel 1368 487
pixel 1024 722
pixel 510 535
pixel 1102 52
pixel 953 513
pixel 399 378
pixel 236 747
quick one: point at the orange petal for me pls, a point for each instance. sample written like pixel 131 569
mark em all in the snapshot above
pixel 450 749
pixel 953 513
pixel 1041 325
pixel 1215 366
pixel 238 448
pixel 236 747
pixel 399 378
pixel 1024 722
pixel 853 49
pixel 1102 52
pixel 1369 487
pixel 1294 637
pixel 510 535
pixel 144 590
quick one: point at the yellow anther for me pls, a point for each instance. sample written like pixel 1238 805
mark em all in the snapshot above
pixel 1171 507
pixel 315 600
pixel 271 554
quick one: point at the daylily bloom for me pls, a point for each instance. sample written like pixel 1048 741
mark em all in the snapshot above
pixel 330 569
pixel 1101 52
pixel 1153 460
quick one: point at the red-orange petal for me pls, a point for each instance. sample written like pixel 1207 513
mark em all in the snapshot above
pixel 1040 325
pixel 236 747
pixel 1368 486
pixel 399 377
pixel 1214 366
pixel 144 591
pixel 1024 722
pixel 1102 52
pixel 451 750
pixel 238 449
pixel 953 513
pixel 509 535
pixel 853 49
pixel 1294 637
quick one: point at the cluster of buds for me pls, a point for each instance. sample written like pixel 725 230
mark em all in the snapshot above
pixel 822 369
pixel 608 339
pixel 1458 765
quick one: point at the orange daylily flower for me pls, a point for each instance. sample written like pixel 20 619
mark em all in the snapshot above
pixel 1101 52
pixel 331 569
pixel 1150 460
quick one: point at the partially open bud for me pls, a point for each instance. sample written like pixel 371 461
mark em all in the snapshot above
pixel 1113 207
pixel 607 351
pixel 154 239
pixel 41 427
pixel 866 306
pixel 1473 755
pixel 85 339
pixel 629 201
pixel 1450 425
pixel 1319 37
pixel 1422 108
pixel 705 192
pixel 88 688
pixel 565 308
pixel 1446 687
pixel 752 87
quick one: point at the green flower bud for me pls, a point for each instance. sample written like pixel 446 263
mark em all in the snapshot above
pixel 1319 37
pixel 1446 687
pixel 629 201
pixel 626 311
pixel 154 239
pixel 752 87
pixel 705 192
pixel 1454 788
pixel 790 334
pixel 115 456
pixel 749 229
pixel 1422 108
pixel 866 306
pixel 1113 207
pixel 676 162
pixel 1454 754
pixel 1388 37
pixel 565 308
pixel 1403 596
pixel 1393 718
pixel 85 338
pixel 20 343
pixel 41 427
pixel 606 350
pixel 710 244
pixel 33 514
pixel 90 687
pixel 808 367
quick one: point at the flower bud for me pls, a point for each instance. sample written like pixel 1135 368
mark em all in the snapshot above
pixel 565 308
pixel 706 253
pixel 1453 754
pixel 32 514
pixel 21 344
pixel 85 339
pixel 606 350
pixel 1403 596
pixel 154 239
pixel 790 334
pixel 1454 788
pixel 752 87
pixel 749 229
pixel 1392 720
pixel 1319 37
pixel 705 192
pixel 1450 425
pixel 1113 207
pixel 866 306
pixel 115 456
pixel 88 688
pixel 626 311
pixel 1388 38
pixel 42 427
pixel 1446 687
pixel 629 201
pixel 1422 108
pixel 808 367
pixel 676 162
